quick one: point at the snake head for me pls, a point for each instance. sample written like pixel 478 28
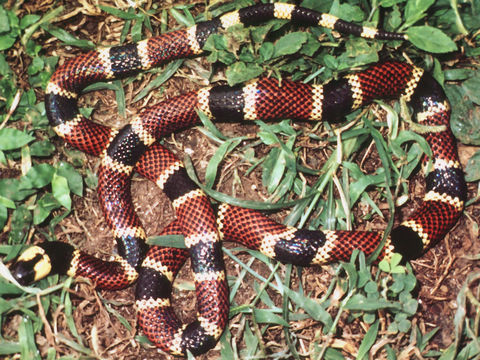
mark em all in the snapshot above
pixel 32 265
pixel 39 261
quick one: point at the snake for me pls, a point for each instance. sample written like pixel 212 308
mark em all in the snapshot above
pixel 135 147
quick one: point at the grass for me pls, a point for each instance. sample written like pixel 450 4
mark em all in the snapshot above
pixel 379 303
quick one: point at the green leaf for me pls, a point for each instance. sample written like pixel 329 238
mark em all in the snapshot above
pixel 430 39
pixel 44 207
pixel 265 316
pixel 266 51
pixel 11 139
pixel 361 303
pixel 359 52
pixel 396 259
pixel 4 21
pixel 120 97
pixel 166 74
pixel 3 215
pixel 458 74
pixel 61 191
pixel 410 306
pixel 422 340
pixel 289 44
pixel 472 170
pixel 91 179
pixel 49 16
pixel 68 38
pixel 311 306
pixel 465 121
pixel 371 287
pixel 186 19
pixel 75 181
pixel 176 241
pixel 216 42
pixel 11 189
pixel 118 316
pixel 217 158
pixel 7 202
pixel 26 338
pixel 252 342
pixel 368 341
pixel 36 66
pixel 4 66
pixel 8 347
pixel 239 72
pixel 3 159
pixel 28 20
pixel 6 41
pixel 226 351
pixel 21 222
pixel 415 10
pixel 471 87
pixel 119 13
pixel 351 13
pixel 38 176
pixel 42 148
pixel 210 128
pixel 404 325
pixel 267 137
pixel 273 168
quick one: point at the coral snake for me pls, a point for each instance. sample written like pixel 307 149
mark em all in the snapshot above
pixel 134 148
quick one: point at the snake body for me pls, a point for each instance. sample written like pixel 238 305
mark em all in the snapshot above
pixel 134 148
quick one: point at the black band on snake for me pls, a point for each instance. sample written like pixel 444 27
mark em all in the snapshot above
pixel 135 148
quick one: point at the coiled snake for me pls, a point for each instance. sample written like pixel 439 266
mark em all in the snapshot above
pixel 134 147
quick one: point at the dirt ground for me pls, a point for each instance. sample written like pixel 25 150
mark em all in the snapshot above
pixel 440 273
